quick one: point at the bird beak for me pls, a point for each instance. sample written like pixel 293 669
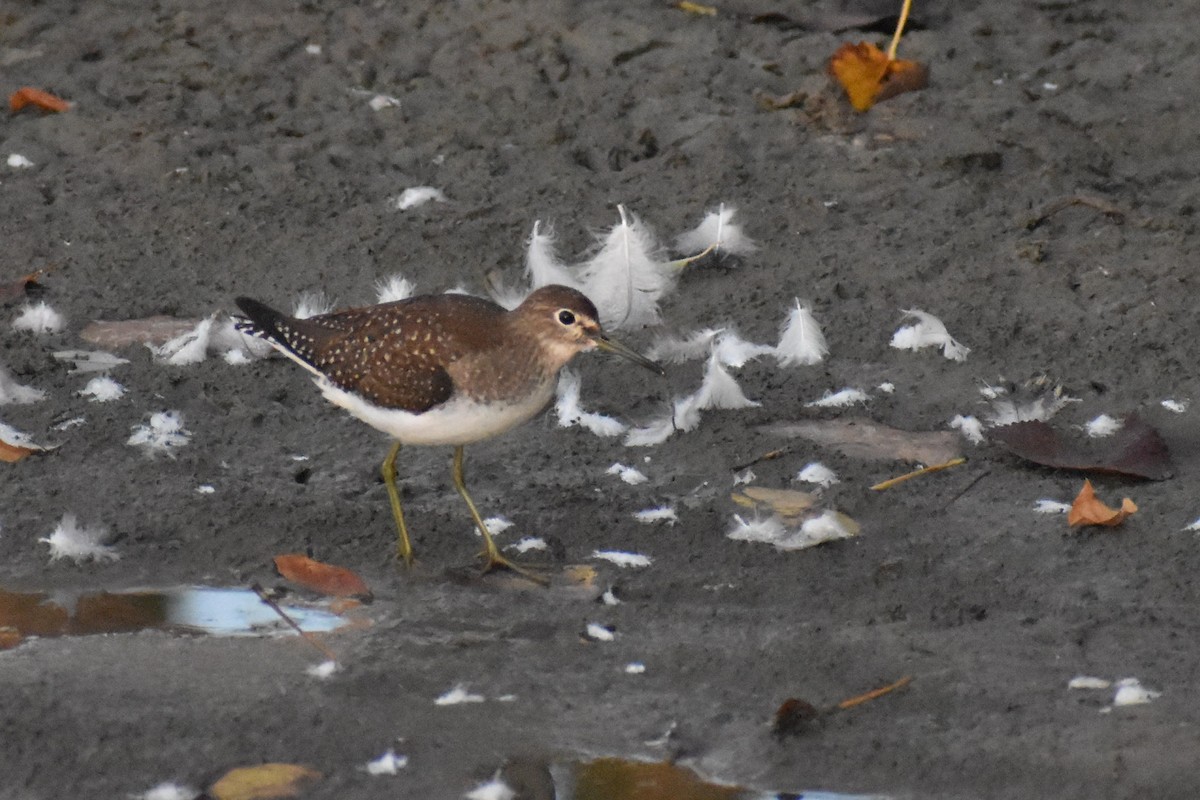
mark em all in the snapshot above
pixel 611 346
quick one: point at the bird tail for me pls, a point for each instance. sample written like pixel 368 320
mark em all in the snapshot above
pixel 292 337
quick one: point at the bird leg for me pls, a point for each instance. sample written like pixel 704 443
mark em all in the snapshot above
pixel 490 552
pixel 404 549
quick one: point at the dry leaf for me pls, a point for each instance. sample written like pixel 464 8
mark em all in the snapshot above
pixel 151 330
pixel 1088 510
pixel 870 77
pixel 862 438
pixel 18 288
pixel 1137 450
pixel 12 453
pixel 324 578
pixel 787 503
pixel 29 96
pixel 263 782
pixel 10 638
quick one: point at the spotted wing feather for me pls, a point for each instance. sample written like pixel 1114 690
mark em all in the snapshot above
pixel 396 355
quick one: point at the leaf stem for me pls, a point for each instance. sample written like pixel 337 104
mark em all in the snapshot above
pixel 891 51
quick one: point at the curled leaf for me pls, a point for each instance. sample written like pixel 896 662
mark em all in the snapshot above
pixel 1088 510
pixel 870 77
pixel 43 100
pixel 327 579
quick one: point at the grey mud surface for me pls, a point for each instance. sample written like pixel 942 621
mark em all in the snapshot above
pixel 209 155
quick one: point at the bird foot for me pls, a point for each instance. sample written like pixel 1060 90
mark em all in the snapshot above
pixel 493 561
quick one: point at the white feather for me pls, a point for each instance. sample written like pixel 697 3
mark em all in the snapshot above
pixel 542 264
pixel 168 791
pixel 311 304
pixel 494 789
pixel 16 393
pixel 661 514
pixel 1130 692
pixel 90 360
pixel 720 390
pixel 457 696
pixel 569 411
pixel 394 287
pixel 719 230
pixel 187 348
pixel 839 399
pixel 39 318
pixel 622 558
pixel 970 427
pixel 417 196
pixel 79 543
pixel 1047 506
pixel 1178 406
pixel 801 341
pixel 928 331
pixel 630 475
pixel 624 279
pixel 1103 425
pixel 163 435
pixel 102 389
pixel 529 543
pixel 676 350
pixel 387 764
pixel 734 351
pixel 495 526
pixel 1006 412
pixel 818 473
pixel 825 527
pixel 654 432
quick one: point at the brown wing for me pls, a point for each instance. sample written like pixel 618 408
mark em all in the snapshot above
pixel 397 355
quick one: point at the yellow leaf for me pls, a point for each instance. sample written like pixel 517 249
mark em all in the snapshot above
pixel 869 76
pixel 263 782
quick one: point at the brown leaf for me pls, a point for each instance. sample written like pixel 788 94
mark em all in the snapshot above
pixel 1088 510
pixel 862 438
pixel 42 100
pixel 1137 450
pixel 10 638
pixel 324 578
pixel 13 290
pixel 263 782
pixel 792 717
pixel 151 330
pixel 869 77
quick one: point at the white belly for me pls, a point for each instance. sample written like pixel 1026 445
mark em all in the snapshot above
pixel 460 421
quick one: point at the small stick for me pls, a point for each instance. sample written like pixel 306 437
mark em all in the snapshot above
pixel 308 637
pixel 1103 206
pixel 769 456
pixel 858 700
pixel 967 488
pixel 889 483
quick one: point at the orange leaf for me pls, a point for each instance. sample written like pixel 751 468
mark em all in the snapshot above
pixel 324 578
pixel 29 96
pixel 1087 510
pixel 868 76
pixel 12 453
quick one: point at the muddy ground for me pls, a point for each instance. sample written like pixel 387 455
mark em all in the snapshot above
pixel 211 154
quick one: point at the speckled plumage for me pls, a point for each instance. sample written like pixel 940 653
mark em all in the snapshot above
pixel 444 369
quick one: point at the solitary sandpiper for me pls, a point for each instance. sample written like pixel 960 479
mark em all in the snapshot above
pixel 445 369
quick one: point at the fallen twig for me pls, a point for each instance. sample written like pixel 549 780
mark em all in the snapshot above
pixel 262 595
pixel 890 482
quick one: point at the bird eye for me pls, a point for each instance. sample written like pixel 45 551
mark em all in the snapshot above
pixel 566 317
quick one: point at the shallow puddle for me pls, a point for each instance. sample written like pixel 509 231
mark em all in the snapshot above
pixel 627 779
pixel 185 609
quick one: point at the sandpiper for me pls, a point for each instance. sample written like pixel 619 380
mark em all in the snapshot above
pixel 445 369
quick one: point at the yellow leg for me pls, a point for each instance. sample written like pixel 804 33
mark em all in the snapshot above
pixel 403 547
pixel 490 552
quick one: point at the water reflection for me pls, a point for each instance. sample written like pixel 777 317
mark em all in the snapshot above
pixel 187 609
